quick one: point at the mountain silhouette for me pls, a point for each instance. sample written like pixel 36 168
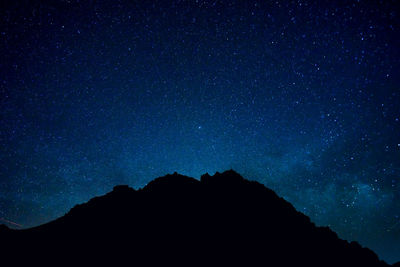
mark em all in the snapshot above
pixel 222 219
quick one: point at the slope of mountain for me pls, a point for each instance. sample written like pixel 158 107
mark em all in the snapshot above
pixel 219 220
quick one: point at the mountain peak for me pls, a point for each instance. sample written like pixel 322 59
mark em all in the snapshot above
pixel 171 182
pixel 228 176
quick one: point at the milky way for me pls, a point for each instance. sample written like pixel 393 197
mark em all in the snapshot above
pixel 302 96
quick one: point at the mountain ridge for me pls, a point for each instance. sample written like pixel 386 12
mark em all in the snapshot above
pixel 225 216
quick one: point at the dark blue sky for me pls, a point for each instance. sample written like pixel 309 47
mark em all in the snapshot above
pixel 302 96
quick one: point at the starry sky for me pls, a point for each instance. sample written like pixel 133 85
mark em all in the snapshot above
pixel 302 96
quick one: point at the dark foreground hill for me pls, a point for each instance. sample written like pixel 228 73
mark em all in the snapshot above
pixel 177 220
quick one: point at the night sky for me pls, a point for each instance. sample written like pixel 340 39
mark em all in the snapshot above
pixel 302 96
